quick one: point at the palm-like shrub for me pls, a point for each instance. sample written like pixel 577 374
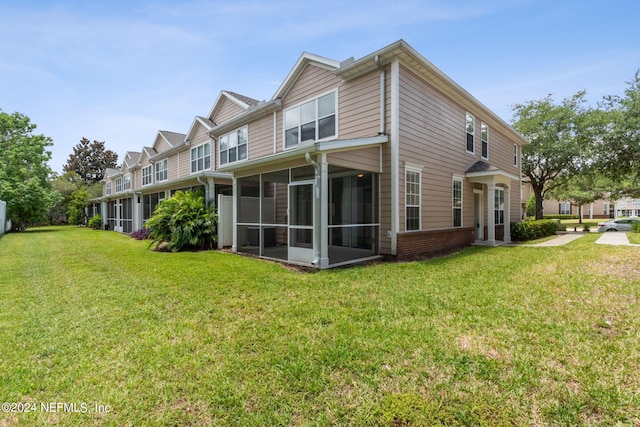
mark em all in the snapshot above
pixel 183 222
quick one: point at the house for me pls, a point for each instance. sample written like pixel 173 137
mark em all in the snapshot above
pixel 383 156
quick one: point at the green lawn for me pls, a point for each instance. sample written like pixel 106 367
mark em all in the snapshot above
pixel 488 336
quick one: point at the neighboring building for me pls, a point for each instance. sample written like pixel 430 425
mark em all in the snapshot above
pixel 349 161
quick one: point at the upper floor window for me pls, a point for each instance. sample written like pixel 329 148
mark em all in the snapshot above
pixel 162 170
pixel 471 131
pixel 201 158
pixel 233 146
pixel 118 185
pixel 107 188
pixel 147 175
pixel 515 155
pixel 126 182
pixel 484 130
pixel 635 203
pixel 312 121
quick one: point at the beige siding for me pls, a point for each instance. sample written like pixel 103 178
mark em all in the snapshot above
pixel 367 159
pixel 432 135
pixel 359 107
pixel 161 144
pixel 227 111
pixel 261 137
pixel 313 81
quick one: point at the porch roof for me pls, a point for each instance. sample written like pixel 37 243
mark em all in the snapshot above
pixel 485 173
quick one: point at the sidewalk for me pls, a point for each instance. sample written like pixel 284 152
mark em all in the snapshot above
pixel 562 239
pixel 614 238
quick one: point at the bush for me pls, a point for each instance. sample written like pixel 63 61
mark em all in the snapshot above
pixel 183 222
pixel 636 227
pixel 530 230
pixel 95 222
pixel 564 216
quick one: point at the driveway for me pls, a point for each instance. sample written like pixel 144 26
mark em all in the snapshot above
pixel 614 238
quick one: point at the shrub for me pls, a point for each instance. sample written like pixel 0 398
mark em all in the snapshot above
pixel 95 222
pixel 636 227
pixel 563 216
pixel 142 234
pixel 529 230
pixel 183 222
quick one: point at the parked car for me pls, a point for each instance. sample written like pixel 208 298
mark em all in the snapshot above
pixel 623 224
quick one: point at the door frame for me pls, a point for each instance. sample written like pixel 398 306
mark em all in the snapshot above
pixel 478 214
pixel 299 254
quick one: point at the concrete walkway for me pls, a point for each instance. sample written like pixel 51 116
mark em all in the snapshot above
pixel 614 238
pixel 562 239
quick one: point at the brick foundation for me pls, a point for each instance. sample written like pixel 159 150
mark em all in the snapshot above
pixel 428 244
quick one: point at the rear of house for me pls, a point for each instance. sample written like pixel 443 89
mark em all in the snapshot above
pixel 384 156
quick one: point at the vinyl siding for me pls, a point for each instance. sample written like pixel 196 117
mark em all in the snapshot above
pixel 359 107
pixel 367 159
pixel 226 111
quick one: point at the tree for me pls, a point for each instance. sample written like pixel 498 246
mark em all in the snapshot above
pixel 77 204
pixel 559 142
pixel 24 172
pixel 582 190
pixel 619 151
pixel 90 160
pixel 64 184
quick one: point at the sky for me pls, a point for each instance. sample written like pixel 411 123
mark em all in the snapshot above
pixel 120 71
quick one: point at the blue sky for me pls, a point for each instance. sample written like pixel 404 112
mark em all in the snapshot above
pixel 119 71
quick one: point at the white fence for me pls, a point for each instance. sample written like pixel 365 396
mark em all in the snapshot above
pixel 3 214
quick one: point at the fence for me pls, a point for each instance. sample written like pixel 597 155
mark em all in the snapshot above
pixel 3 214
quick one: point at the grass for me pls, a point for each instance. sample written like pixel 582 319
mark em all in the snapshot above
pixel 487 336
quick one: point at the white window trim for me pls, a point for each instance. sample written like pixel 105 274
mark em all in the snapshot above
pixel 165 169
pixel 461 181
pixel 564 207
pixel 150 168
pixel 126 180
pixel 467 115
pixel 119 185
pixel 482 141
pixel 495 191
pixel 302 143
pixel 246 127
pixel 408 167
pixel 210 157
pixel 107 189
pixel 515 155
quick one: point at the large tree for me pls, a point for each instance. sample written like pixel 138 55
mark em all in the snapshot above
pixel 560 142
pixel 619 150
pixel 90 160
pixel 24 172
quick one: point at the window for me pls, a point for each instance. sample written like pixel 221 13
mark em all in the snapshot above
pixel 412 199
pixel 499 205
pixel 457 202
pixel 126 182
pixel 311 121
pixel 471 124
pixel 484 130
pixel 107 189
pixel 605 209
pixel 147 175
pixel 201 158
pixel 118 185
pixel 515 155
pixel 635 203
pixel 233 146
pixel 565 208
pixel 161 170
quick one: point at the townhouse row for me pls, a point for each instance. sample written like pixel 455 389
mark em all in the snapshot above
pixel 383 156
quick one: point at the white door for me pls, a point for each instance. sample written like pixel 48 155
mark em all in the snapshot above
pixel 118 216
pixel 301 222
pixel 477 215
pixel 225 221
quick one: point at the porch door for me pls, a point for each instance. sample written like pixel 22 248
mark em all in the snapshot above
pixel 118 216
pixel 301 222
pixel 478 220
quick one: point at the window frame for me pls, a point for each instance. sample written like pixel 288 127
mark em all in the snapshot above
pixel 119 184
pixel 147 179
pixel 224 154
pixel 316 121
pixel 162 174
pixel 498 207
pixel 484 138
pixel 515 155
pixel 459 208
pixel 410 169
pixel 470 119
pixel 107 189
pixel 203 158
pixel 126 182
pixel 564 208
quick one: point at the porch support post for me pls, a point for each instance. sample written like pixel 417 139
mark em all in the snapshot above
pixel 491 217
pixel 507 215
pixel 323 203
pixel 234 215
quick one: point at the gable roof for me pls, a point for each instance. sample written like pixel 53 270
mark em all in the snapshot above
pixel 131 159
pixel 244 102
pixel 305 59
pixel 208 124
pixel 172 138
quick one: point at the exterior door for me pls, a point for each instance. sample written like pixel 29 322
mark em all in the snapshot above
pixel 478 220
pixel 118 216
pixel 301 222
